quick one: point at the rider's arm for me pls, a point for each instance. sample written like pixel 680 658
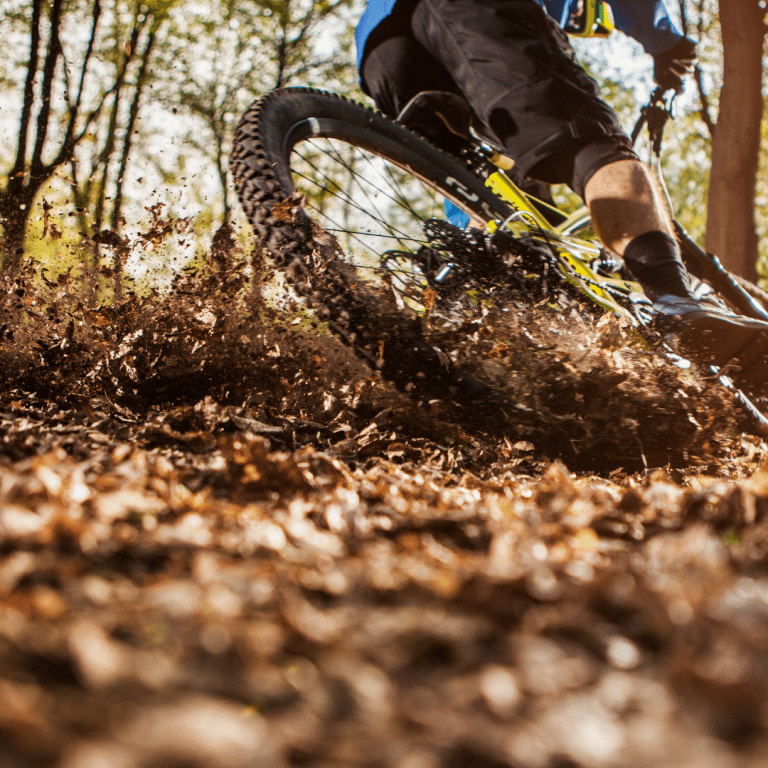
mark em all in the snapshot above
pixel 648 22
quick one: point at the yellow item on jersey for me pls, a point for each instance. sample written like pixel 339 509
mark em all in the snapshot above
pixel 594 18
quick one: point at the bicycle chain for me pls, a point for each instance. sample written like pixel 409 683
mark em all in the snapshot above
pixel 477 256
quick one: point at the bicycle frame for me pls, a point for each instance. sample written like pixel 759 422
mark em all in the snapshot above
pixel 574 254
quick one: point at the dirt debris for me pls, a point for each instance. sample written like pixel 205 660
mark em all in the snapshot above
pixel 226 541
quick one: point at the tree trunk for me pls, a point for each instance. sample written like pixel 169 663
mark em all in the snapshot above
pixel 105 157
pixel 142 79
pixel 731 232
pixel 28 174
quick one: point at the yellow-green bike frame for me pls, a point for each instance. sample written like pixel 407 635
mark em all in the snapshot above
pixel 575 255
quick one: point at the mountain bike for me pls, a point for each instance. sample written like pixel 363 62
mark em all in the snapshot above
pixel 357 210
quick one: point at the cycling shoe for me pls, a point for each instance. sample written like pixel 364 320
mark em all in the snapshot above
pixel 710 333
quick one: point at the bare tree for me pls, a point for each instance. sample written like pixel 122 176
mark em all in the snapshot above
pixel 142 78
pixel 42 146
pixel 99 193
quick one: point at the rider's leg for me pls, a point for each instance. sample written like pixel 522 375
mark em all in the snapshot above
pixel 624 203
pixel 396 66
pixel 631 220
pixel 516 69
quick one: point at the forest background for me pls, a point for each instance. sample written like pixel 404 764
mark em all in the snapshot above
pixel 116 118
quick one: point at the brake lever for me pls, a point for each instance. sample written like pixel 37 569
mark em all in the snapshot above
pixel 665 96
pixel 655 114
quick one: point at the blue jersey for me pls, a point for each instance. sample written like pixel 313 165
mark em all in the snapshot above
pixel 646 21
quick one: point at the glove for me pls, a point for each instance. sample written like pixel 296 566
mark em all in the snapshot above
pixel 670 67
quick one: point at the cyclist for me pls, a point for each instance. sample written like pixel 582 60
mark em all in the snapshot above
pixel 512 62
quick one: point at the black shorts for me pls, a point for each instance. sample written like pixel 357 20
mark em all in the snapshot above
pixel 517 70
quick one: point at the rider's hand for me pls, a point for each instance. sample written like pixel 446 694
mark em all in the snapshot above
pixel 670 67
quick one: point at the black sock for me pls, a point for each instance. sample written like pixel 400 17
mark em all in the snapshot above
pixel 654 259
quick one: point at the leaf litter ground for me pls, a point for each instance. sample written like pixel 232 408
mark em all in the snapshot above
pixel 225 541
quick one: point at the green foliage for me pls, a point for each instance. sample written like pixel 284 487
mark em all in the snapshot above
pixel 165 83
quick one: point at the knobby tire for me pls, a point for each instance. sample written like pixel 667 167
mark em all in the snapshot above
pixel 367 315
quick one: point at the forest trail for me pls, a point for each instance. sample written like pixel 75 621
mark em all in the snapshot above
pixel 225 541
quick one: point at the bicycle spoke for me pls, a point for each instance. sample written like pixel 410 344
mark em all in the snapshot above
pixel 407 282
pixel 357 236
pixel 348 200
pixel 395 185
pixel 386 194
pixel 374 207
pixel 395 188
pixel 331 152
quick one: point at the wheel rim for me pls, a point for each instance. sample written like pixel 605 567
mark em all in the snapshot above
pixel 375 209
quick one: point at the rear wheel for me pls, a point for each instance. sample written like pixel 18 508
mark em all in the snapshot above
pixel 368 181
pixel 342 197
